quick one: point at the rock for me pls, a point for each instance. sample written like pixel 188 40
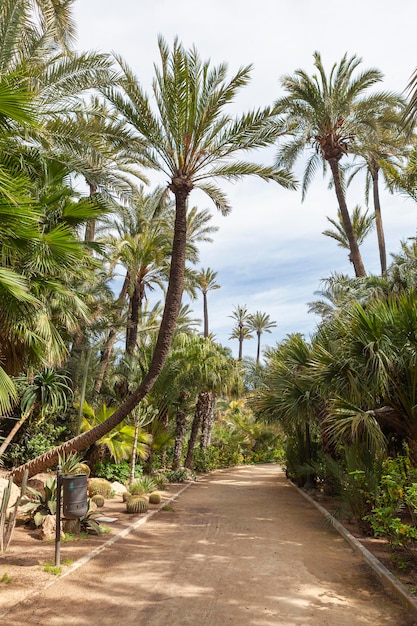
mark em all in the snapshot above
pixel 15 493
pixel 118 488
pixel 47 529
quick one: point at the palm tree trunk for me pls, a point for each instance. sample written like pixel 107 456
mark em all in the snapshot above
pixel 173 299
pixel 205 315
pixel 111 338
pixel 15 429
pixel 133 457
pixel 189 459
pixel 378 222
pixel 180 430
pixel 355 255
pixel 207 419
pixel 258 351
pixel 133 322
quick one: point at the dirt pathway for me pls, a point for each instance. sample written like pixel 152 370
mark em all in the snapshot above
pixel 240 548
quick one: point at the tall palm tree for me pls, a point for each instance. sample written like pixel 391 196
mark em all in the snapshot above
pixel 241 330
pixel 381 151
pixel 260 323
pixel 326 113
pixel 192 141
pixel 206 281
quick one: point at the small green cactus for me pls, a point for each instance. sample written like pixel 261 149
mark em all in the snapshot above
pixel 98 500
pixel 99 486
pixel 137 504
pixel 126 495
pixel 154 498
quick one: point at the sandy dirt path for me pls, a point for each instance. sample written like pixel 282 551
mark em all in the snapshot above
pixel 240 548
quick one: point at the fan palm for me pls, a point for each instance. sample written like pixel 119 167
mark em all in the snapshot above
pixel 192 142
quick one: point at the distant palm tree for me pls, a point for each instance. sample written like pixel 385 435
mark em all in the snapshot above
pixel 327 113
pixel 260 323
pixel 192 141
pixel 362 225
pixel 206 281
pixel 241 331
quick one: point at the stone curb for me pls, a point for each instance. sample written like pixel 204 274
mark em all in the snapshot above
pixel 380 570
pixel 91 555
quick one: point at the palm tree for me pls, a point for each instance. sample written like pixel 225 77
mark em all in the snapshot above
pixel 381 151
pixel 362 224
pixel 260 323
pixel 241 330
pixel 327 114
pixel 192 142
pixel 206 281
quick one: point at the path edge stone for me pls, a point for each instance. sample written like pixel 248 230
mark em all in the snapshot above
pixel 380 570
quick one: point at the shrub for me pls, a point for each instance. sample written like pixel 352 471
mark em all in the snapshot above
pixel 116 471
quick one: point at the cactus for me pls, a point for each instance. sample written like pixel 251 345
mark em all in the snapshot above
pixel 7 522
pixel 98 499
pixel 126 495
pixel 154 498
pixel 99 486
pixel 137 504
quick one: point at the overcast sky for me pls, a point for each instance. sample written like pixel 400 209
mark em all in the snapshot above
pixel 269 253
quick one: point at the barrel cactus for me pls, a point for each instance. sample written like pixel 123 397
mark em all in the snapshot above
pixel 154 498
pixel 126 495
pixel 136 504
pixel 98 499
pixel 99 486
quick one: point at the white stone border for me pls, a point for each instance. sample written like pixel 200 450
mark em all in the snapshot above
pixel 91 555
pixel 382 572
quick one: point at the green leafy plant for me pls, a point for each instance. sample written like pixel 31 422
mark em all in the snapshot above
pixel 116 471
pixel 145 484
pixel 89 523
pixel 55 570
pixel 41 504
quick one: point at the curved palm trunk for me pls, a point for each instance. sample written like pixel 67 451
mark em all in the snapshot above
pixel 378 222
pixel 181 189
pixel 355 254
pixel 133 457
pixel 207 417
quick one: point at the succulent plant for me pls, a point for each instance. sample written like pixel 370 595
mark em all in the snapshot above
pixel 136 504
pixel 126 495
pixel 154 498
pixel 142 485
pixel 8 520
pixel 99 486
pixel 98 499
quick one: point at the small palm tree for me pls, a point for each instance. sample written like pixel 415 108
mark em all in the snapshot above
pixel 206 281
pixel 241 330
pixel 362 225
pixel 260 323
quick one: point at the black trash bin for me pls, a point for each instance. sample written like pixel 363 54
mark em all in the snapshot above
pixel 74 495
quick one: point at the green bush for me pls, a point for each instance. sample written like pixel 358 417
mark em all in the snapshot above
pixel 116 471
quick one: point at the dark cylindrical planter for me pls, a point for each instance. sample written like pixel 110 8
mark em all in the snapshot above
pixel 74 495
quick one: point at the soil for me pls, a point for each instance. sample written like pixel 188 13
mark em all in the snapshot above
pixel 239 546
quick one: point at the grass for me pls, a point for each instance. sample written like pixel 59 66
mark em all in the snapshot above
pixel 56 570
pixel 5 579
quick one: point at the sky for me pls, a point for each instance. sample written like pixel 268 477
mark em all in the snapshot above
pixel 269 253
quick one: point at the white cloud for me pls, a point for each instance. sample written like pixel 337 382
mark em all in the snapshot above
pixel 269 253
